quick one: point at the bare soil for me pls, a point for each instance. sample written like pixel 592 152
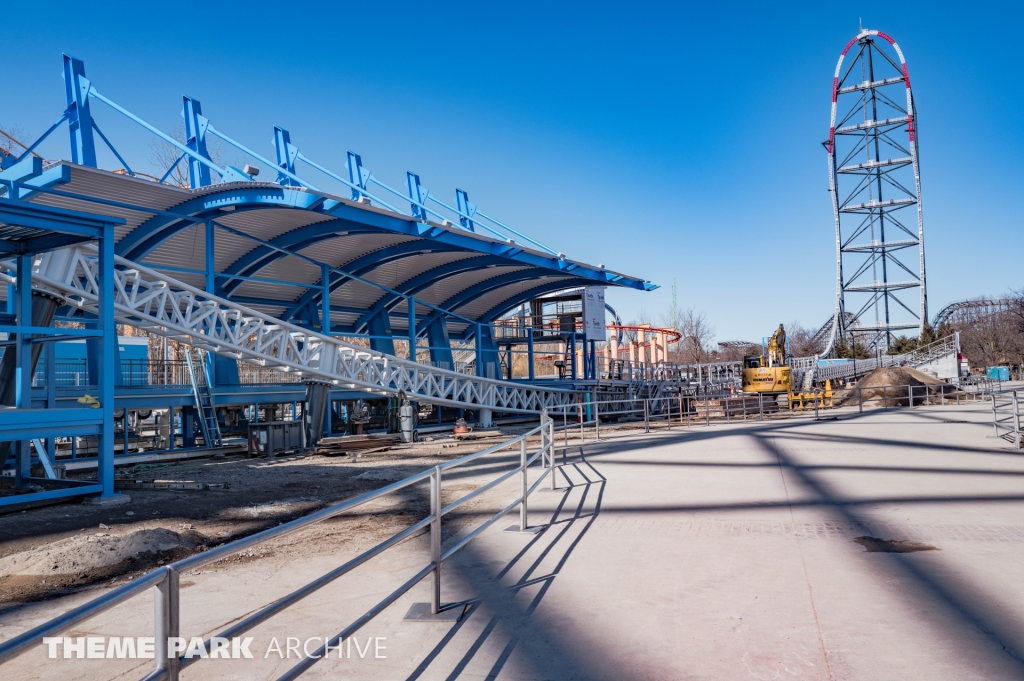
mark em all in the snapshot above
pixel 887 386
pixel 60 549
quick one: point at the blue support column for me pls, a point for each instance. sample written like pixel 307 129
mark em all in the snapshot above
pixel 108 356
pixel 529 352
pixel 211 264
pixel 486 352
pixel 286 156
pixel 479 347
pixel 466 208
pixel 417 195
pixel 436 329
pixel 223 370
pixel 188 427
pixel 23 371
pixel 195 139
pixel 357 174
pixel 211 286
pixel 412 328
pixel 379 327
pixel 76 88
pixel 325 299
pixel 572 356
pixel 171 427
pixel 51 394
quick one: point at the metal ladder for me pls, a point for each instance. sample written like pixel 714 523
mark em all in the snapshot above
pixel 204 398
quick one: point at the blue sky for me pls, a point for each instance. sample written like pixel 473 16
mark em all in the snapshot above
pixel 670 141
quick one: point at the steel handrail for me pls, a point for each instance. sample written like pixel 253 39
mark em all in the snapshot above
pixel 165 578
pixel 1009 408
pixel 665 406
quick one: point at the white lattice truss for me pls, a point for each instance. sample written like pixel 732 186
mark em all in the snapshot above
pixel 159 304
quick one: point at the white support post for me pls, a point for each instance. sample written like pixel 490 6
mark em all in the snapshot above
pixel 435 539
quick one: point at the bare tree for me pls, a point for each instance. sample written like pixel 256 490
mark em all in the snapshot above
pixel 163 155
pixel 11 141
pixel 697 335
pixel 801 340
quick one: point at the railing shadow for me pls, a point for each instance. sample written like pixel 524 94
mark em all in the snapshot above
pixel 513 618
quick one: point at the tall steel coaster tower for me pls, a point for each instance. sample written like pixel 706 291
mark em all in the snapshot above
pixel 875 184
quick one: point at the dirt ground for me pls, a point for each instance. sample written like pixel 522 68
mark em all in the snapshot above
pixel 60 549
pixel 887 386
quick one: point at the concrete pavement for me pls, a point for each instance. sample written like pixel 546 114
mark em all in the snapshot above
pixel 729 552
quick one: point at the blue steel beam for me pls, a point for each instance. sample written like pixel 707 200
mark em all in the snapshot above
pixel 164 225
pixel 295 240
pixel 286 154
pixel 466 209
pixel 417 195
pixel 25 214
pixel 357 175
pixel 195 138
pixel 200 163
pixel 78 113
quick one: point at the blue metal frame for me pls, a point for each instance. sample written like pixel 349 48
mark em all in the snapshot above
pixel 434 224
pixel 80 92
pixel 25 423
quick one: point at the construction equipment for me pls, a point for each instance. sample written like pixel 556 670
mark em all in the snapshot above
pixel 769 372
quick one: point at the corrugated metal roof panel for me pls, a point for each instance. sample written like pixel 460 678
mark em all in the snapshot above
pixel 185 249
pixel 109 186
pixel 447 288
pixel 344 249
pixel 397 272
pixel 259 289
pixel 228 248
pixel 269 223
pixel 492 299
pixel 356 294
pixel 293 269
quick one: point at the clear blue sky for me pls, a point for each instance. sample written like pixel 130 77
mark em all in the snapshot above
pixel 664 140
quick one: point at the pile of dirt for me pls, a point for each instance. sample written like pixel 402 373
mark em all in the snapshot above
pixel 887 386
pixel 87 558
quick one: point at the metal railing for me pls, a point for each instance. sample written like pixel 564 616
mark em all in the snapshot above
pixel 1006 417
pixel 690 407
pixel 935 350
pixel 164 580
pixel 143 373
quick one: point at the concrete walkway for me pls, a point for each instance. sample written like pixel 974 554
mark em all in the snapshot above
pixel 886 545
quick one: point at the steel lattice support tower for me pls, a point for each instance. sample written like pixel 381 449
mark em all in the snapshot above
pixel 875 184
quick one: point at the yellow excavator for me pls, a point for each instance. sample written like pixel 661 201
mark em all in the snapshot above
pixel 769 373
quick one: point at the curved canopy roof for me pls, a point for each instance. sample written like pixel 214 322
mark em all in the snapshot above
pixel 270 245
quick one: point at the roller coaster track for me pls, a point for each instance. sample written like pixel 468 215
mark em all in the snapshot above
pixel 151 300
pixel 929 353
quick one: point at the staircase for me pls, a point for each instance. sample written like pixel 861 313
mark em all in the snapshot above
pixel 200 377
pixel 165 306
